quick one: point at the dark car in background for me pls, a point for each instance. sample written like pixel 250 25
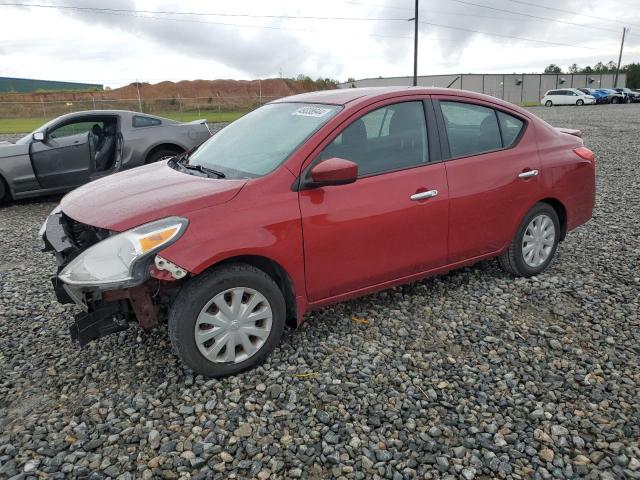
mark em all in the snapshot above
pixel 629 95
pixel 612 95
pixel 78 147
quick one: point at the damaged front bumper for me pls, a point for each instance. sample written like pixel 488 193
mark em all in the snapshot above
pixel 105 311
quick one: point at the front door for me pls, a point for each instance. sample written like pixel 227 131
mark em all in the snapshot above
pixel 390 223
pixel 63 158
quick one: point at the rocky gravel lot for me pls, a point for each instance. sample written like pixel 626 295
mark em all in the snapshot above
pixel 468 375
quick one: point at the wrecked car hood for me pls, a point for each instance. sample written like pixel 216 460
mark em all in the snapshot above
pixel 127 199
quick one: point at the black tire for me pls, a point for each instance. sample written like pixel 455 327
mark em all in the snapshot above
pixel 580 103
pixel 160 154
pixel 615 100
pixel 548 103
pixel 512 261
pixel 200 290
pixel 3 190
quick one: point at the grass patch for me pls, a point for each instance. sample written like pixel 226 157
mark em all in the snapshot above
pixel 25 125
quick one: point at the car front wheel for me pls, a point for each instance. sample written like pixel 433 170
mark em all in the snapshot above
pixel 227 320
pixel 548 103
pixel 580 103
pixel 534 244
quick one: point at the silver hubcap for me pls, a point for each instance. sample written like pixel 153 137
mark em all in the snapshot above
pixel 233 325
pixel 538 240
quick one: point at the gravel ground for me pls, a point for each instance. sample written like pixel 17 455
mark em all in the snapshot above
pixel 468 375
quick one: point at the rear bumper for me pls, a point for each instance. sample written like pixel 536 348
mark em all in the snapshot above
pixel 104 311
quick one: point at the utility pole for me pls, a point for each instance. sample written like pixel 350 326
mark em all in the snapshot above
pixel 415 46
pixel 615 81
pixel 138 90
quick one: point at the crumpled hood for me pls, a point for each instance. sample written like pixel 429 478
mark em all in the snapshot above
pixel 127 199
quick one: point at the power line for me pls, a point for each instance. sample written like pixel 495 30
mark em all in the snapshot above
pixel 199 14
pixel 513 12
pixel 511 36
pixel 133 13
pixel 536 17
pixel 572 12
pixel 240 25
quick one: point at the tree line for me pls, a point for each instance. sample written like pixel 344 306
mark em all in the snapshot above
pixel 632 70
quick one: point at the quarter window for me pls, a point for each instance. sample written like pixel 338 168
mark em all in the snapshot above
pixel 389 138
pixel 510 127
pixel 471 129
pixel 140 121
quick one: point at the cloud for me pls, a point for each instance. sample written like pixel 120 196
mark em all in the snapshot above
pixel 255 51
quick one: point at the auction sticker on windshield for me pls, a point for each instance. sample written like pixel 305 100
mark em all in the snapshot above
pixel 312 111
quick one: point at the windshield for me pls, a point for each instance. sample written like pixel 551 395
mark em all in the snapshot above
pixel 257 143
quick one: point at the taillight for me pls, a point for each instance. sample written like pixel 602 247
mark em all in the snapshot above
pixel 584 152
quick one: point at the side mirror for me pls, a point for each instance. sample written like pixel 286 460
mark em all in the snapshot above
pixel 333 171
pixel 38 137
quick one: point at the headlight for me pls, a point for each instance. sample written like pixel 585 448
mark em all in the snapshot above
pixel 116 262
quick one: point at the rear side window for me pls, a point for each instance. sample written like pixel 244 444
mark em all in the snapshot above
pixel 140 121
pixel 552 92
pixel 389 138
pixel 471 129
pixel 510 127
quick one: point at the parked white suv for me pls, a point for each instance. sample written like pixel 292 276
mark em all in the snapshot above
pixel 567 96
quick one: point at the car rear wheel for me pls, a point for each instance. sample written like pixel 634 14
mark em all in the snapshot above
pixel 615 100
pixel 580 103
pixel 548 103
pixel 160 154
pixel 227 320
pixel 534 244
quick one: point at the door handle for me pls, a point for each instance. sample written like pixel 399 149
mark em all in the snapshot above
pixel 528 173
pixel 423 195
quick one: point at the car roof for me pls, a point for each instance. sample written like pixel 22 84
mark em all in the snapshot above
pixel 123 113
pixel 86 113
pixel 345 96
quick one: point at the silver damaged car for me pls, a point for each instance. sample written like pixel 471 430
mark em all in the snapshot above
pixel 79 147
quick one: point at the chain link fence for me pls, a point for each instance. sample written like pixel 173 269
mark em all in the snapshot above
pixel 179 108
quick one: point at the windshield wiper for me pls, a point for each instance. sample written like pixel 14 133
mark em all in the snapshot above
pixel 206 170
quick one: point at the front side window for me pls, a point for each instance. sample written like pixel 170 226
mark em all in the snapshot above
pixel 471 129
pixel 389 138
pixel 73 129
pixel 258 142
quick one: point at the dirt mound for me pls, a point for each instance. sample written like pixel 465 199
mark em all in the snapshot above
pixel 216 89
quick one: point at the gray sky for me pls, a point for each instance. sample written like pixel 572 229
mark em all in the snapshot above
pixel 117 48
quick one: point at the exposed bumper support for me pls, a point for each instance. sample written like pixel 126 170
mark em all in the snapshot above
pixel 98 323
pixel 105 312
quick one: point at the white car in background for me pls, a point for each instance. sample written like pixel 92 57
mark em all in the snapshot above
pixel 567 96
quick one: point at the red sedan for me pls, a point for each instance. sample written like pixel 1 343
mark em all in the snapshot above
pixel 310 200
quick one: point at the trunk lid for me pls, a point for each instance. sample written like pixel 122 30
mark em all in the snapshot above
pixel 570 131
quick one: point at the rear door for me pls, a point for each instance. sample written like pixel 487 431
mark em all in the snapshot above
pixel 389 224
pixel 63 158
pixel 492 171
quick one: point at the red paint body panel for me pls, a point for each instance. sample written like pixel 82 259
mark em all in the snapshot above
pixel 372 232
pixel 487 198
pixel 338 242
pixel 140 195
